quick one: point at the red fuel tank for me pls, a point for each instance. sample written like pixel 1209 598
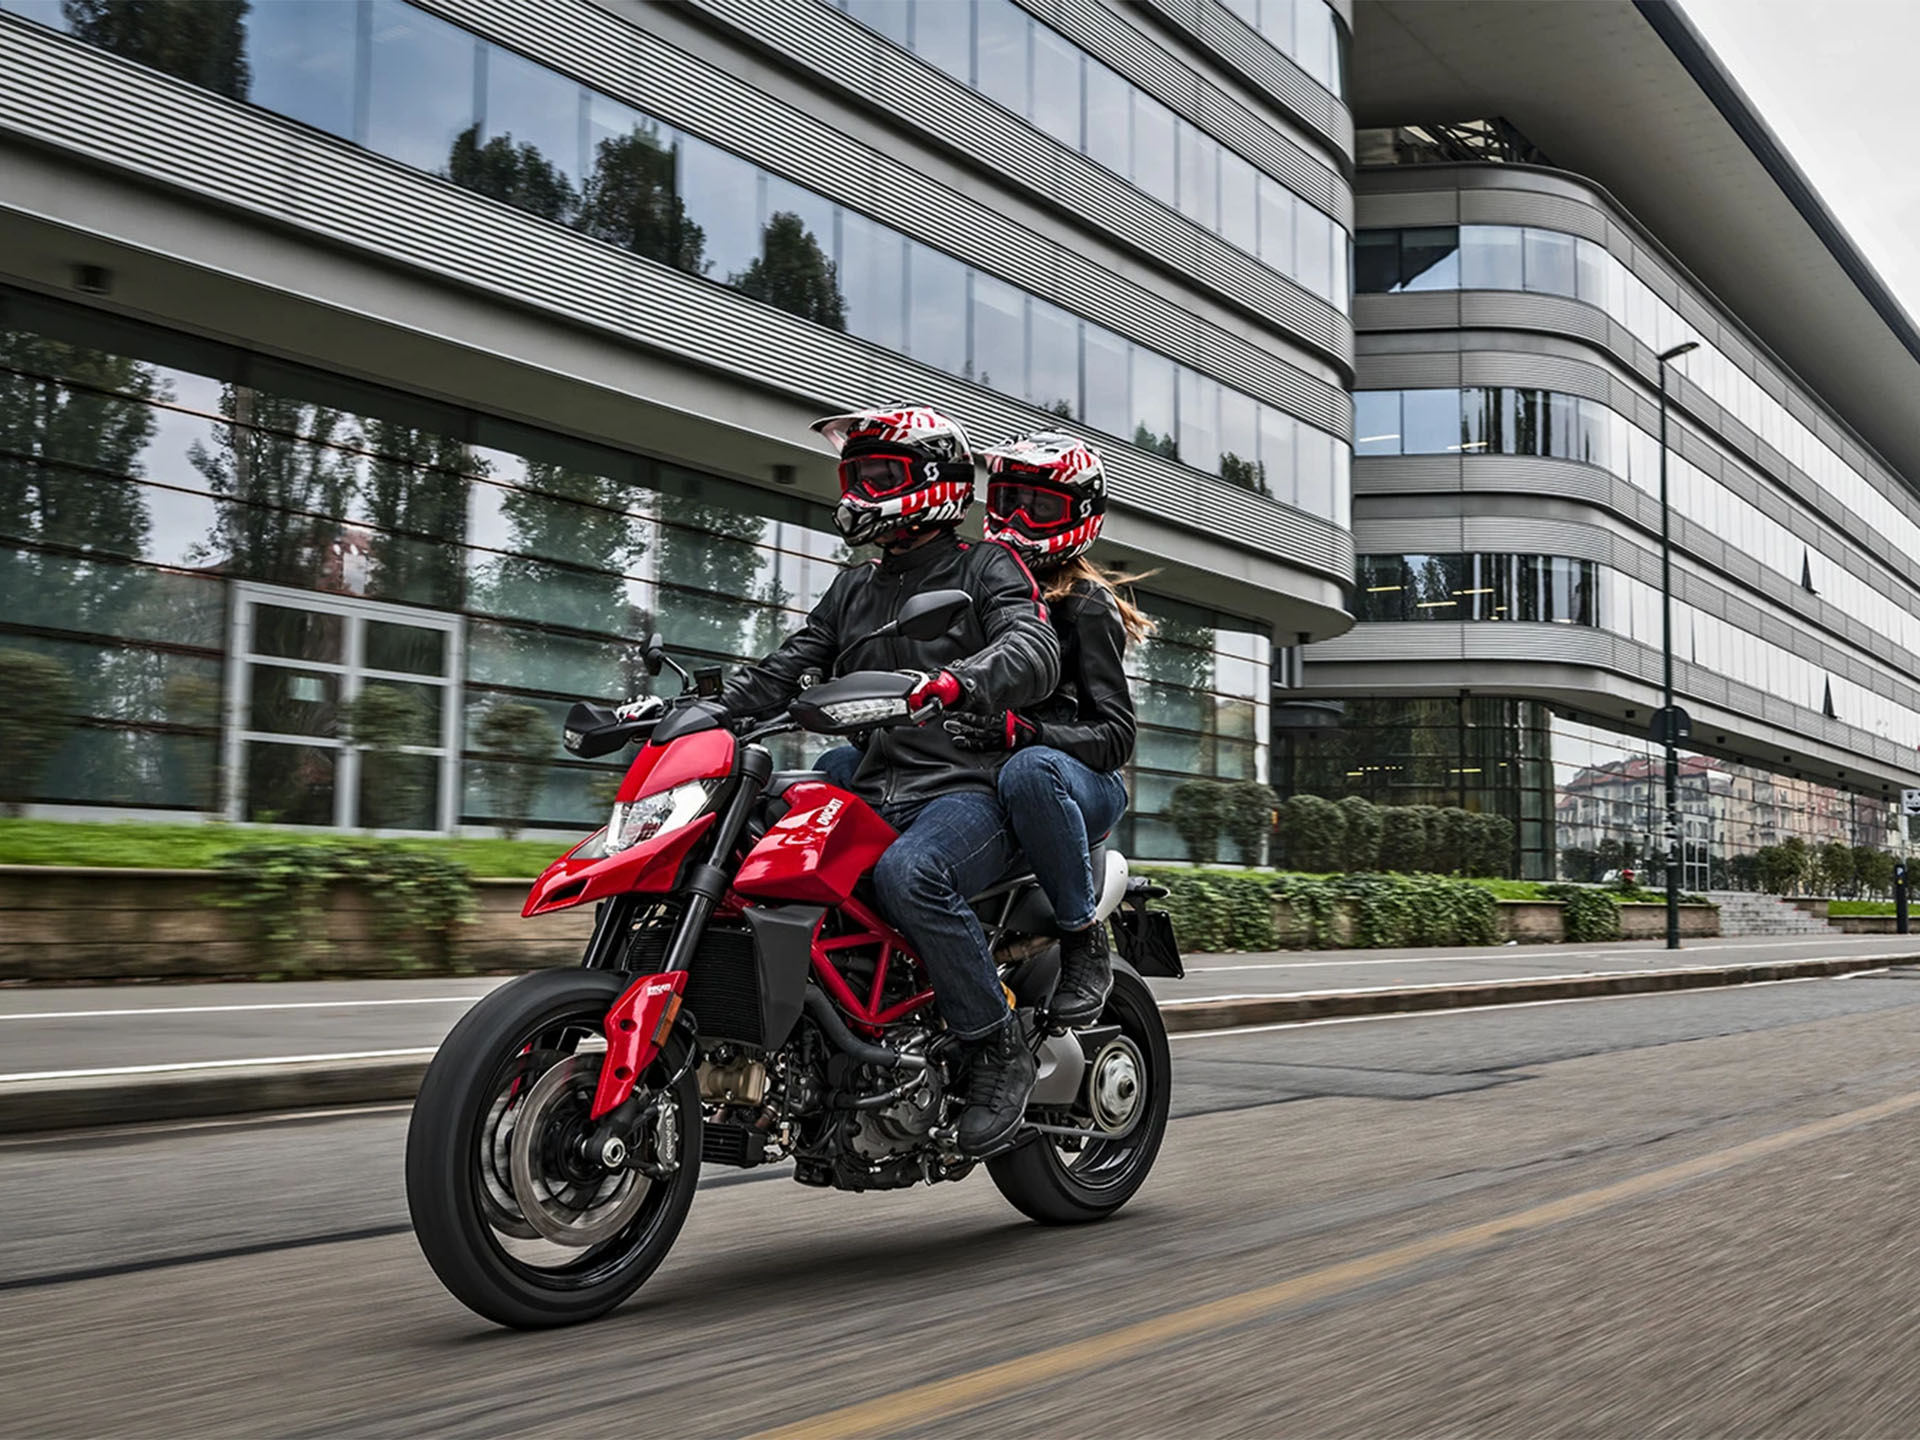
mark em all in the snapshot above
pixel 818 851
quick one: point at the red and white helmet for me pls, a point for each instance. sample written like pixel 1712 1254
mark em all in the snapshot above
pixel 1046 497
pixel 903 468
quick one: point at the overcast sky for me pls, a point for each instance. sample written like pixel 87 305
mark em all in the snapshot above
pixel 1835 79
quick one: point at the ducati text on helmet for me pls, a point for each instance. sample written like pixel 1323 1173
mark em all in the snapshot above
pixel 1046 497
pixel 903 468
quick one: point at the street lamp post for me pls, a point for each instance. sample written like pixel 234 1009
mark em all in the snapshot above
pixel 1667 718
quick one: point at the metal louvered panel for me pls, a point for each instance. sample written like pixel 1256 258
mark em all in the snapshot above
pixel 1403 370
pixel 1109 34
pixel 1423 310
pixel 84 102
pixel 1393 474
pixel 1227 35
pixel 687 91
pixel 1394 210
pixel 1511 310
pixel 1537 372
pixel 1426 535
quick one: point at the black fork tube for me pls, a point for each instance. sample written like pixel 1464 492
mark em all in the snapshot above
pixel 611 920
pixel 707 883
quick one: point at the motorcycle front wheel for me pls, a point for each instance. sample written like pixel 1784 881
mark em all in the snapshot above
pixel 1129 1089
pixel 518 1223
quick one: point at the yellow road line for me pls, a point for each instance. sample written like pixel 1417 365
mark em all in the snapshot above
pixel 923 1404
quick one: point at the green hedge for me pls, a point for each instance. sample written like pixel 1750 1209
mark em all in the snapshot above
pixel 1215 910
pixel 1219 910
pixel 420 900
pixel 1589 915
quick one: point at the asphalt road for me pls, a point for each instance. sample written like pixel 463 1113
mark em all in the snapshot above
pixel 1664 1215
pixel 93 1027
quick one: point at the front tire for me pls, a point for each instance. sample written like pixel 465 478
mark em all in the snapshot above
pixel 471 1178
pixel 1071 1188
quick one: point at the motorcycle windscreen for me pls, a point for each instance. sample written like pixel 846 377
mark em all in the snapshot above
pixel 707 755
pixel 818 850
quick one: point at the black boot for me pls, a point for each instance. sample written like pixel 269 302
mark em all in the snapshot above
pixel 1001 1076
pixel 1086 975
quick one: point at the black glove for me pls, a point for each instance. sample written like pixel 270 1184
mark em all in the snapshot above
pixel 996 730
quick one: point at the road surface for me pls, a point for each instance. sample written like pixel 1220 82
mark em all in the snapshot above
pixel 1672 1214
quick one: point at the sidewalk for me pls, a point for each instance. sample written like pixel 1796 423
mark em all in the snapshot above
pixel 101 1054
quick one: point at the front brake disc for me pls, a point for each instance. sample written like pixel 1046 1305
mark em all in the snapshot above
pixel 566 1197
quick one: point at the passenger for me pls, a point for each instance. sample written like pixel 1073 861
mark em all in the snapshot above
pixel 906 480
pixel 1061 786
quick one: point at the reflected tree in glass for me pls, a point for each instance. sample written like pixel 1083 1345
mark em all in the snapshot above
pixel 718 554
pixel 1164 445
pixel 794 273
pixel 277 460
pixel 1248 474
pixel 519 175
pixel 631 201
pixel 201 41
pixel 578 516
pixel 417 481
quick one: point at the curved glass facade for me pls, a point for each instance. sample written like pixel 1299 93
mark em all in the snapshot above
pixel 1306 31
pixel 1505 420
pixel 408 85
pixel 1514 257
pixel 999 50
pixel 1563 591
pixel 174 514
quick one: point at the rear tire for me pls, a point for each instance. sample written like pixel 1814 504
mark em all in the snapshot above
pixel 1048 1186
pixel 462 1209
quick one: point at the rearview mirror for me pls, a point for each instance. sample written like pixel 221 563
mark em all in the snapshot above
pixel 656 653
pixel 929 616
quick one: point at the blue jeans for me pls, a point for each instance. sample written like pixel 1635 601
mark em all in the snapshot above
pixel 1057 805
pixel 949 848
pixel 840 764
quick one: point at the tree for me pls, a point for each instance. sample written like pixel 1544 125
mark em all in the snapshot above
pixel 519 175
pixel 201 41
pixel 1314 832
pixel 794 273
pixel 417 481
pixel 380 722
pixel 1247 813
pixel 1580 864
pixel 277 456
pixel 1833 868
pixel 36 712
pixel 1360 848
pixel 518 732
pixel 629 200
pixel 1248 474
pixel 1194 811
pixel 1493 848
pixel 1876 870
pixel 578 517
pixel 1403 839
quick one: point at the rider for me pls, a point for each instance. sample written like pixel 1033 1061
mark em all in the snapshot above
pixel 1061 785
pixel 906 479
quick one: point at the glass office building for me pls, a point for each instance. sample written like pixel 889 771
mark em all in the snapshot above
pixel 494 343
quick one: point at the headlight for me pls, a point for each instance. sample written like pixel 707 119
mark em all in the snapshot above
pixel 864 712
pixel 637 820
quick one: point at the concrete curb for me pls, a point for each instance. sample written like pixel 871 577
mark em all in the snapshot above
pixel 77 1102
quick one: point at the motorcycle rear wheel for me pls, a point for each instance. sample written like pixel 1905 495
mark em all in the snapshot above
pixel 463 1164
pixel 1071 1188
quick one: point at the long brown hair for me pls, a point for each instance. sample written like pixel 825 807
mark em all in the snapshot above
pixel 1135 621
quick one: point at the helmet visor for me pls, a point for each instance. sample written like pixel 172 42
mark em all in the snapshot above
pixel 1041 507
pixel 878 476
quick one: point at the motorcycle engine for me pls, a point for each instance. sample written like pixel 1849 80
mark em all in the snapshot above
pixel 878 1146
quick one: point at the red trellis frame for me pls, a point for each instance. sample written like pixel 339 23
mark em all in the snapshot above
pixel 866 1014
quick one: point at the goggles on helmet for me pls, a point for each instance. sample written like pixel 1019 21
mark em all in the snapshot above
pixel 879 476
pixel 1042 507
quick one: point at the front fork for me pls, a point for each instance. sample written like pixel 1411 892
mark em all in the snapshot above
pixel 646 1012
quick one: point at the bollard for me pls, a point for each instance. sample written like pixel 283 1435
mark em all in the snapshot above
pixel 1900 898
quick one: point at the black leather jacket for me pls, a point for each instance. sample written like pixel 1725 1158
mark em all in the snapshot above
pixel 1003 652
pixel 1090 716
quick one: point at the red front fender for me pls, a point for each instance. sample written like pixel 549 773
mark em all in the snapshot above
pixel 637 1026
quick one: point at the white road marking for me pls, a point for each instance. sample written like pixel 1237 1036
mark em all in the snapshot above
pixel 181 1066
pixel 145 1010
pixel 1490 952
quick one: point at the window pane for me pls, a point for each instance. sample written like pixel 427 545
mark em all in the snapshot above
pixel 1430 258
pixel 1432 422
pixel 873 263
pixel 289 784
pixel 1313 250
pixel 1591 262
pixel 1054 379
pixel 1152 413
pixel 1199 420
pixel 420 94
pixel 1276 225
pixel 301 57
pixel 1154 164
pixel 530 105
pixel 889 17
pixel 999 335
pixel 1490 257
pixel 943 36
pixel 1240 441
pixel 1315 470
pixel 1376 422
pixel 1313 42
pixel 1239 203
pixel 938 284
pixel 722 196
pixel 1199 176
pixel 1376 262
pixel 293 702
pixel 1108 406
pixel 291 634
pixel 1549 262
pixel 411 649
pixel 1109 118
pixel 1002 31
pixel 1276 454
pixel 1056 86
pixel 399 792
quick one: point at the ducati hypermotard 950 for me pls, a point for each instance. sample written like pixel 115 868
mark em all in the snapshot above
pixel 741 1002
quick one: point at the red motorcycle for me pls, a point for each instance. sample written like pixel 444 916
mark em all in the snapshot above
pixel 741 1002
